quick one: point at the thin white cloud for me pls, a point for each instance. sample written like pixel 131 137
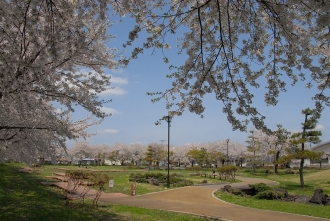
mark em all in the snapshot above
pixel 118 80
pixel 114 91
pixel 109 131
pixel 319 127
pixel 108 110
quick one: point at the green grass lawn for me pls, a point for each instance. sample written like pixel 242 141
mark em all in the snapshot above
pixel 314 179
pixel 274 205
pixel 121 179
pixel 23 198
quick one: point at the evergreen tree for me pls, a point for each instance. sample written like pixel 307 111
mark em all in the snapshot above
pixel 298 141
pixel 150 156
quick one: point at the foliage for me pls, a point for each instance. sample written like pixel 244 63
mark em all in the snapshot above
pixel 175 179
pixel 73 179
pixel 267 194
pixel 52 55
pixel 259 187
pixel 55 52
pixel 99 180
pixel 279 144
pixel 113 155
pixel 254 145
pixel 202 157
pixel 23 198
pixel 150 156
pixel 307 135
pixel 288 207
pixel 229 170
pixel 193 155
pixel 283 40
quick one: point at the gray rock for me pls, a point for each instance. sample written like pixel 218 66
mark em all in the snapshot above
pixel 227 188
pixel 154 181
pixel 318 197
pixel 301 199
pixel 327 200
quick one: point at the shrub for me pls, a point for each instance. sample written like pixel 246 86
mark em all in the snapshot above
pixel 138 177
pixel 175 179
pixel 179 182
pixel 229 170
pixel 267 194
pixel 259 187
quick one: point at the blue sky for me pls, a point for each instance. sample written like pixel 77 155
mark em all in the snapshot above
pixel 134 115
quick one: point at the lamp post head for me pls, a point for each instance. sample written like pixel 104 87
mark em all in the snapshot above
pixel 227 140
pixel 168 119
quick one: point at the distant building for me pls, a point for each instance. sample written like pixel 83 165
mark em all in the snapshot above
pixel 90 161
pixel 112 162
pixel 325 148
pixel 325 162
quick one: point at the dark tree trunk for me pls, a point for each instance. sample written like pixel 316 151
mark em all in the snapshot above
pixel 276 164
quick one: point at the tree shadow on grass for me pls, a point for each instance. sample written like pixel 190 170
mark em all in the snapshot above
pixel 296 188
pixel 22 197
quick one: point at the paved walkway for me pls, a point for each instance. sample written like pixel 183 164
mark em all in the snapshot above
pixel 199 200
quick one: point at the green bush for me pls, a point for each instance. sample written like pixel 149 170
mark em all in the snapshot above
pixel 229 170
pixel 138 177
pixel 259 187
pixel 267 194
pixel 175 179
pixel 180 182
pixel 160 176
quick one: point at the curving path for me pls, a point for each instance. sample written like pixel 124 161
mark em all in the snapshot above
pixel 199 200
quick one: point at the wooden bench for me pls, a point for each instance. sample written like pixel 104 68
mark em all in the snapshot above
pixel 223 175
pixel 209 175
pixel 213 175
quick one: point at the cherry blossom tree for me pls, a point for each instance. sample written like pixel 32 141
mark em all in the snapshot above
pixel 52 52
pixel 179 155
pixel 137 150
pixel 274 145
pixel 159 153
pixel 82 149
pixel 234 47
pixel 236 151
pixel 32 145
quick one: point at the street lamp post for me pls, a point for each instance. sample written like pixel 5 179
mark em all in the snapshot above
pixel 168 119
pixel 227 151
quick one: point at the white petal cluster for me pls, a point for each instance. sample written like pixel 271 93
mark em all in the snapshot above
pixel 44 45
pixel 235 47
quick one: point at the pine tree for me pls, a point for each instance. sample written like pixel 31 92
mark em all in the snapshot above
pixel 150 155
pixel 308 134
